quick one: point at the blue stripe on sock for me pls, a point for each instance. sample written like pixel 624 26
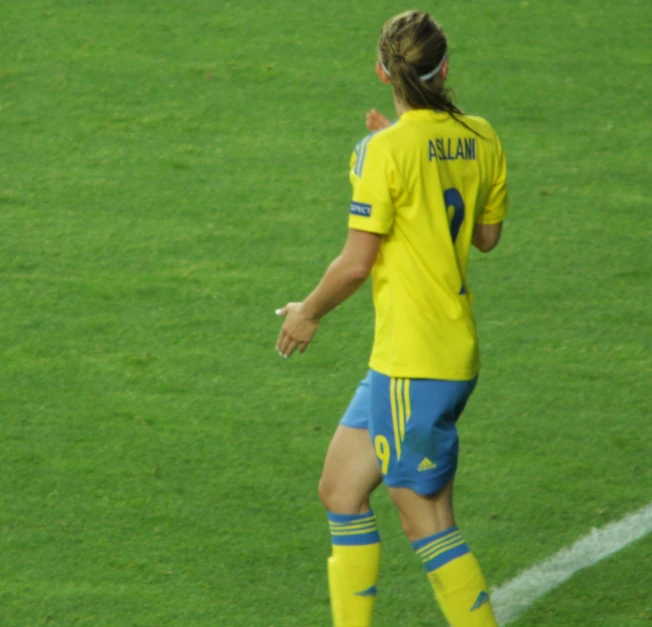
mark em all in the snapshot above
pixel 448 556
pixel 419 544
pixel 359 540
pixel 458 549
pixel 426 554
pixel 345 533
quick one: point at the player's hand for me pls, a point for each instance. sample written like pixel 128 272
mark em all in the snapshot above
pixel 297 330
pixel 376 121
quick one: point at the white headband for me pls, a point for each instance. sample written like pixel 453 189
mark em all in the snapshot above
pixel 424 77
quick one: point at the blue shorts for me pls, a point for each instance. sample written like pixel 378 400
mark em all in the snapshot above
pixel 412 426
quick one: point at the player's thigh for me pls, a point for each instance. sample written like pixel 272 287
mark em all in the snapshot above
pixel 351 471
pixel 413 428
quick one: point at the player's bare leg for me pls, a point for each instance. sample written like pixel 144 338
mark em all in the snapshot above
pixel 350 475
pixel 424 516
pixel 453 571
pixel 351 472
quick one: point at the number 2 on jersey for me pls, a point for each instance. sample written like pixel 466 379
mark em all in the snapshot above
pixel 453 198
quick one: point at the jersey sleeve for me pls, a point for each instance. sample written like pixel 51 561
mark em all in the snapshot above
pixel 495 209
pixel 373 176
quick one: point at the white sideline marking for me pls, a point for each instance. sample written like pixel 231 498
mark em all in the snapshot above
pixel 514 597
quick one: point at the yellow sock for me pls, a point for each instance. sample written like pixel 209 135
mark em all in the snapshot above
pixel 353 568
pixel 456 578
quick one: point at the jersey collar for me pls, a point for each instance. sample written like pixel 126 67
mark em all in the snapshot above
pixel 424 115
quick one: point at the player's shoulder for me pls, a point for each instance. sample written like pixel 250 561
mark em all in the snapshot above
pixel 358 149
pixel 361 148
pixel 480 125
pixel 375 136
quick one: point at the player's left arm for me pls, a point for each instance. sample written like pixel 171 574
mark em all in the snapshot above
pixel 342 278
pixel 489 223
pixel 486 236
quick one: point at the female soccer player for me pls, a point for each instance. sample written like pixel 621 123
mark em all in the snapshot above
pixel 424 190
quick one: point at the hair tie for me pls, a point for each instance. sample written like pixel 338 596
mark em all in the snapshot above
pixel 424 77
pixel 433 73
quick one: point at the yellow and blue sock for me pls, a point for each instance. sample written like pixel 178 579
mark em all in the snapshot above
pixel 456 578
pixel 353 568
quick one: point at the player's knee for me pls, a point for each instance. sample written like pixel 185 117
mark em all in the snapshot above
pixel 332 498
pixel 324 492
pixel 341 499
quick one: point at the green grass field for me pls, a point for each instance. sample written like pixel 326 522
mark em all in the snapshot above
pixel 170 173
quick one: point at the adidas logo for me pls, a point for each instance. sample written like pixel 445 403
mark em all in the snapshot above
pixel 483 598
pixel 369 592
pixel 426 464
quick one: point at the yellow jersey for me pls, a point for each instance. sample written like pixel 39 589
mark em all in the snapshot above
pixel 423 183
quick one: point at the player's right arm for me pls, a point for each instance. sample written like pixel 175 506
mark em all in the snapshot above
pixel 342 278
pixel 376 121
pixel 370 217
